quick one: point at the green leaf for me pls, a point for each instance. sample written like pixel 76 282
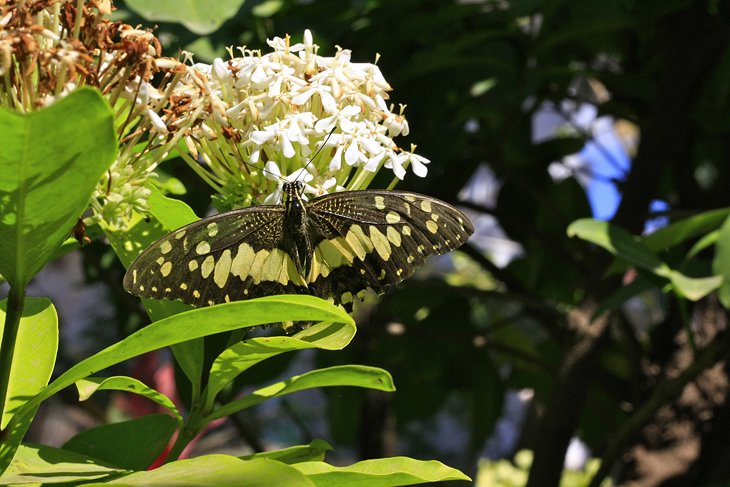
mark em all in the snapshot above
pixel 382 472
pixel 214 471
pixel 51 161
pixel 313 452
pixel 694 288
pixel 175 329
pixel 171 213
pixel 35 464
pixel 199 17
pixel 132 444
pixel 721 262
pixel 631 249
pixel 243 355
pixel 685 229
pixel 342 375
pixel 619 242
pixel 35 352
pixel 90 385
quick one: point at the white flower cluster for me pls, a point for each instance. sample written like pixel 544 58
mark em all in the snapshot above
pixel 260 119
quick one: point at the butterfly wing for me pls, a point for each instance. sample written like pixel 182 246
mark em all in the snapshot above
pixel 231 256
pixel 375 239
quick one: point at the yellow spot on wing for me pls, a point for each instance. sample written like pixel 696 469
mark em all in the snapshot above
pixel 166 268
pixel 379 202
pixel 380 242
pixel 432 226
pixel 258 264
pixel 202 248
pixel 207 266
pixel 192 265
pixel 222 268
pixel 212 229
pixel 273 266
pixel 392 217
pixel 426 206
pixel 165 247
pixel 242 261
pixel 180 234
pixel 358 241
pixel 393 236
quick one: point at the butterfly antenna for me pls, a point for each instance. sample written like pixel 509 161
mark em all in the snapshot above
pixel 324 142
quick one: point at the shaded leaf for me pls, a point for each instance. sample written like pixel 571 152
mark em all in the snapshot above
pixel 131 445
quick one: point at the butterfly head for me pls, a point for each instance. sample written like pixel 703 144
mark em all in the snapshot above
pixel 293 191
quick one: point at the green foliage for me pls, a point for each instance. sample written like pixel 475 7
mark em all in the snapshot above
pixel 51 162
pixel 200 18
pixel 130 445
pixel 35 353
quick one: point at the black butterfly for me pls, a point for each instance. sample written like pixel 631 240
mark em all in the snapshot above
pixel 334 246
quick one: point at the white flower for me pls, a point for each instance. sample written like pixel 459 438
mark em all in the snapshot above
pixel 273 173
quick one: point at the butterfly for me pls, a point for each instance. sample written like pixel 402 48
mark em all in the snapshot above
pixel 334 246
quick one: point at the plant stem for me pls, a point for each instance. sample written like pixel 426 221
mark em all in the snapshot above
pixel 13 313
pixel 187 433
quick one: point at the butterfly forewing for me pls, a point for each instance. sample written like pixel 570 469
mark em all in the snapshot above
pixel 334 246
pixel 226 257
pixel 376 239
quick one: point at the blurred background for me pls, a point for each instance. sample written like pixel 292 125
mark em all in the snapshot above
pixel 534 113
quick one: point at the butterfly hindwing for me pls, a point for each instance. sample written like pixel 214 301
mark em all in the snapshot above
pixel 376 239
pixel 227 257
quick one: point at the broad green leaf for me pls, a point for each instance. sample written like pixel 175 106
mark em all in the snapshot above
pixel 215 471
pixel 721 263
pixel 342 375
pixel 201 18
pixel 35 352
pixel 36 464
pixel 132 444
pixel 51 161
pixel 175 329
pixel 685 229
pixel 171 213
pixel 313 452
pixel 694 288
pixel 381 472
pixel 619 242
pixel 243 355
pixel 631 249
pixel 90 385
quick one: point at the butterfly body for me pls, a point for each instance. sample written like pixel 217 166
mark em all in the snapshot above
pixel 334 246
